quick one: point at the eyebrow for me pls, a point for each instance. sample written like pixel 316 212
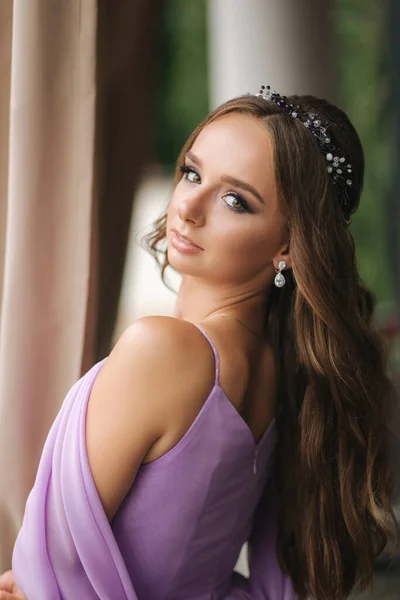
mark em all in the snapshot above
pixel 228 179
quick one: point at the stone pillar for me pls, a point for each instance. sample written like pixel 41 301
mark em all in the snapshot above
pixel 287 44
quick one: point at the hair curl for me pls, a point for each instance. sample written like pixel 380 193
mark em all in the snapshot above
pixel 334 472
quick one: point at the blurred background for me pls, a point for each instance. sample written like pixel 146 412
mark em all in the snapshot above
pixel 97 99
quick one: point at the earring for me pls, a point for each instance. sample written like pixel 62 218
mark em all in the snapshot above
pixel 279 278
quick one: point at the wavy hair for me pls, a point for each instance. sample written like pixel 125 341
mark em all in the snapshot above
pixel 334 471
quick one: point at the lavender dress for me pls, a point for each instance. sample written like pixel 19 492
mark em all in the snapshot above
pixel 179 531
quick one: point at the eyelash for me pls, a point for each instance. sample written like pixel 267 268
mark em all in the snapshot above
pixel 185 170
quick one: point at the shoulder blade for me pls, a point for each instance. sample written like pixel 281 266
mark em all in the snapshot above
pixel 147 380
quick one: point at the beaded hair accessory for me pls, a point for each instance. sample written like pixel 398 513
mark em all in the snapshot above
pixel 336 166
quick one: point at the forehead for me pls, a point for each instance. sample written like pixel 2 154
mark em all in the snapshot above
pixel 239 145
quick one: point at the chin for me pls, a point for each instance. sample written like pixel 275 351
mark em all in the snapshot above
pixel 185 264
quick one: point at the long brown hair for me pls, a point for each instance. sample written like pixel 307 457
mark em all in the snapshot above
pixel 334 469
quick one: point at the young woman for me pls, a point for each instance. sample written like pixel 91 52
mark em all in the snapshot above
pixel 258 412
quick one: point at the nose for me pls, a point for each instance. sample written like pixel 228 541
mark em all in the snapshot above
pixel 192 207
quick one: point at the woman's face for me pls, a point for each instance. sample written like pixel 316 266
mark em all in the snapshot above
pixel 226 203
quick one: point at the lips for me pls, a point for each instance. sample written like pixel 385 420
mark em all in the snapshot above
pixel 186 239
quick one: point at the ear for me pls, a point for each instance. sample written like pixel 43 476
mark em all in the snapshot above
pixel 283 254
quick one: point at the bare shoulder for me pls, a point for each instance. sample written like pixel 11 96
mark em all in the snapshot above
pixel 158 371
pixel 161 360
pixel 166 344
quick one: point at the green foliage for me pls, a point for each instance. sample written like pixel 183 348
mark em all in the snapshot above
pixel 364 85
pixel 182 97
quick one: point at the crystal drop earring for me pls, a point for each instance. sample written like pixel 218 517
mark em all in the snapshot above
pixel 279 278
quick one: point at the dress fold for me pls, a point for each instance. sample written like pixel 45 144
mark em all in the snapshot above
pixel 66 548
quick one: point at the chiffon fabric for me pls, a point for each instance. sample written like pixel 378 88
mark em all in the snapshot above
pixel 180 529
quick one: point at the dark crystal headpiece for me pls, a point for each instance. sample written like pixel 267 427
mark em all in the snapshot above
pixel 337 165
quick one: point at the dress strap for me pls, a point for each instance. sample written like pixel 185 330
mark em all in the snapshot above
pixel 216 355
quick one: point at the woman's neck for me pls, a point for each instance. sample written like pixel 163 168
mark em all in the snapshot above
pixel 197 302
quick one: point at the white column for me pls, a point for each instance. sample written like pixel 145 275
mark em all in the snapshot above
pixel 287 44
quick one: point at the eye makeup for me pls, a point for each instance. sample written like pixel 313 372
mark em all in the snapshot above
pixel 243 206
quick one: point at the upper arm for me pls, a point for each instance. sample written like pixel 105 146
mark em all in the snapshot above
pixel 140 385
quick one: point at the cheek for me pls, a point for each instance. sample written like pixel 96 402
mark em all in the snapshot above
pixel 252 235
pixel 246 250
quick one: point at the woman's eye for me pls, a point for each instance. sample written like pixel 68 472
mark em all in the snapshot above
pixel 189 174
pixel 237 204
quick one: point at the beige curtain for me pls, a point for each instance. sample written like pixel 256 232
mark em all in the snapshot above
pixel 47 108
pixel 75 104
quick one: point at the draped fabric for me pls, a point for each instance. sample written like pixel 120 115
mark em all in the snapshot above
pixel 46 184
pixel 66 547
pixel 74 111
